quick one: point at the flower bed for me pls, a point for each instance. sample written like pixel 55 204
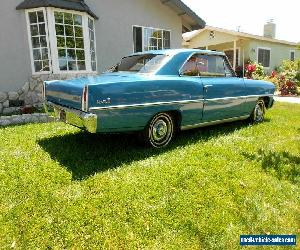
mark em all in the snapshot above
pixel 286 78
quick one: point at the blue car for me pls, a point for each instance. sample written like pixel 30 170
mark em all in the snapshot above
pixel 156 93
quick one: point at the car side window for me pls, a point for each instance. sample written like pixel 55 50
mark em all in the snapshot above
pixel 204 65
pixel 190 68
pixel 228 70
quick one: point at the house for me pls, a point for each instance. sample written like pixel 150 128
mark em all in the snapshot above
pixel 59 39
pixel 241 47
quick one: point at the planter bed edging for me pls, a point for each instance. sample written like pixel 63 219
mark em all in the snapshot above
pixel 24 119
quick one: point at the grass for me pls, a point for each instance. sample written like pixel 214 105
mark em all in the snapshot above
pixel 63 188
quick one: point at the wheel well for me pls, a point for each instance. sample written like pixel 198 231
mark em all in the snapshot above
pixel 176 115
pixel 266 100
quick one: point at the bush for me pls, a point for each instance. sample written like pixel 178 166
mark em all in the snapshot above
pixel 290 70
pixel 254 71
pixel 286 78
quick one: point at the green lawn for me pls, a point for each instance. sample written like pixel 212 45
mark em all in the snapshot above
pixel 63 188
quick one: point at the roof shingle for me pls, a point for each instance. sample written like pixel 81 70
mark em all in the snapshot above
pixel 78 5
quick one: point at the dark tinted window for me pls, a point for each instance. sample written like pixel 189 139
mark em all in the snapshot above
pixel 138 39
pixel 292 56
pixel 264 57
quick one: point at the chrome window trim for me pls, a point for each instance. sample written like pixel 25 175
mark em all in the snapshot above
pixel 206 53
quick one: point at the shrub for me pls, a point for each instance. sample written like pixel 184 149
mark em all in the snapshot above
pixel 286 78
pixel 254 70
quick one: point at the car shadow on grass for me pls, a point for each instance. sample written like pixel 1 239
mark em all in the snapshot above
pixel 85 154
pixel 283 165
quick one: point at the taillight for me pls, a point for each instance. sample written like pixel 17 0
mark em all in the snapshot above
pixel 85 99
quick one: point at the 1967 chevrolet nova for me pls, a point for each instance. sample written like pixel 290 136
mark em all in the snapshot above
pixel 156 93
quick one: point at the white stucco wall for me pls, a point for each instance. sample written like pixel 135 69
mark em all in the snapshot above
pixel 114 27
pixel 113 33
pixel 15 66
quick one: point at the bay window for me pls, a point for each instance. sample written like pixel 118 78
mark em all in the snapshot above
pixel 39 41
pixel 68 35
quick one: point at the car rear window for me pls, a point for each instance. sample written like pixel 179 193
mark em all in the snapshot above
pixel 145 63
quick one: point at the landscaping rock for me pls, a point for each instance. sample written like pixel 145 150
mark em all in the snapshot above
pixel 23 119
pixel 33 84
pixel 22 97
pixel 44 118
pixel 6 104
pixel 20 92
pixel 29 98
pixel 39 88
pixel 7 111
pixel 17 119
pixel 5 122
pixel 25 88
pixel 12 96
pixel 3 96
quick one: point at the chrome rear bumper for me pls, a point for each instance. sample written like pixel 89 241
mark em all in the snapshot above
pixel 77 118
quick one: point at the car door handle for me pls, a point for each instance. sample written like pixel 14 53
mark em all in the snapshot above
pixel 206 87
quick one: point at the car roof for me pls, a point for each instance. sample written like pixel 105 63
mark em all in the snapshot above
pixel 172 52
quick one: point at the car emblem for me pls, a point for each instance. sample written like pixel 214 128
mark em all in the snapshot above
pixel 105 101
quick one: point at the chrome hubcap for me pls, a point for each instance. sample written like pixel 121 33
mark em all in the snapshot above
pixel 160 130
pixel 259 113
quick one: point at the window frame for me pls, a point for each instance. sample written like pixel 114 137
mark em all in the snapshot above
pixel 225 61
pixel 27 11
pixel 264 48
pixel 143 36
pixel 292 51
pixel 52 42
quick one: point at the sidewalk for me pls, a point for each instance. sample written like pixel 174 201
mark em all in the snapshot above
pixel 287 99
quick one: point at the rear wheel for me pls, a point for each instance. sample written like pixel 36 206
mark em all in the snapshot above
pixel 258 114
pixel 159 131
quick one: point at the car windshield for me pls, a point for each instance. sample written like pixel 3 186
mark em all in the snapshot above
pixel 146 63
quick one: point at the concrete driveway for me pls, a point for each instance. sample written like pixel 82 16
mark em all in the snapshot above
pixel 287 99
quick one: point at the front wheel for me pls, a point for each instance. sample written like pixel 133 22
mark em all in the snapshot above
pixel 258 114
pixel 159 131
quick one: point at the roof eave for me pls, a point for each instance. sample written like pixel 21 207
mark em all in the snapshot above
pixel 186 13
pixel 77 6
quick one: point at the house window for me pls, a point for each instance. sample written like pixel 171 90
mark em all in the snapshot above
pixel 264 57
pixel 292 56
pixel 70 43
pixel 92 44
pixel 146 39
pixel 39 41
pixel 71 39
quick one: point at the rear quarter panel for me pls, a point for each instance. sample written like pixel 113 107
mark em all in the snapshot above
pixel 134 103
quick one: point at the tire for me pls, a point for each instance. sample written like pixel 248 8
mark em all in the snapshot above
pixel 258 114
pixel 160 131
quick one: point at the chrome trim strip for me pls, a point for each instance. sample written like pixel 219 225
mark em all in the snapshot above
pixel 145 105
pixel 204 124
pixel 237 97
pixel 170 103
